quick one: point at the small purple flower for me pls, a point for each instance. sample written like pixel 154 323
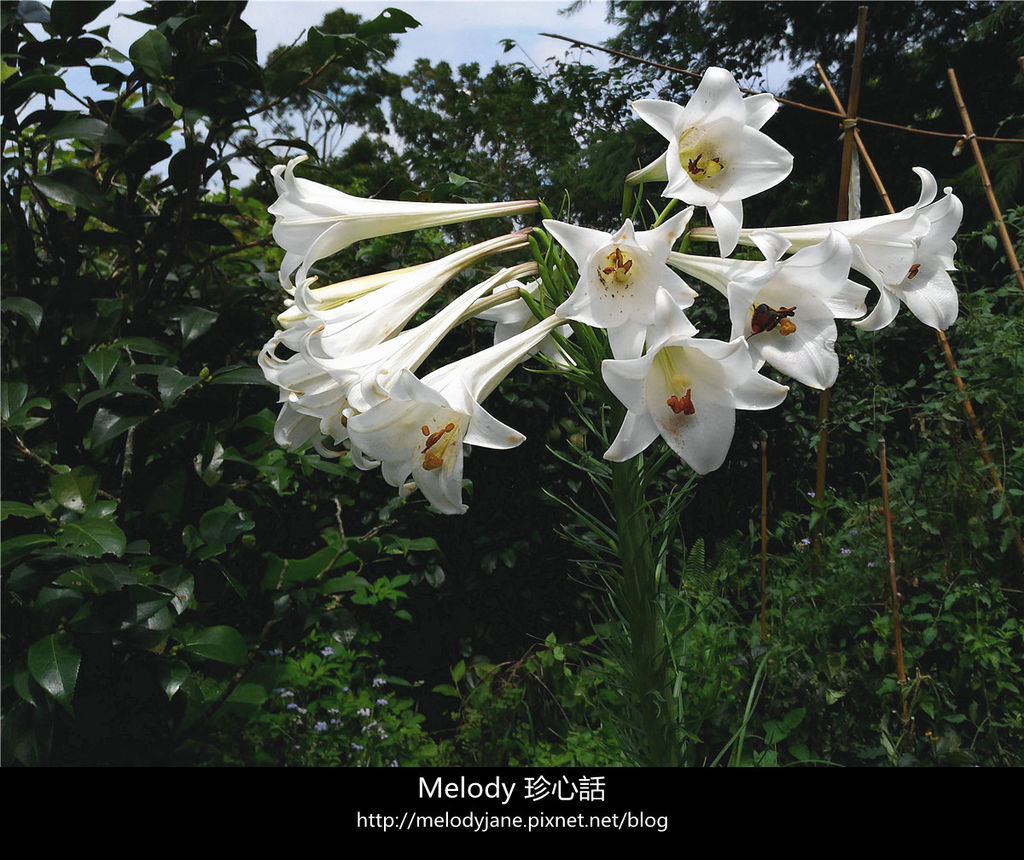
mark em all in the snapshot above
pixel 379 682
pixel 871 564
pixel 394 764
pixel 363 712
pixel 845 551
pixel 320 726
pixel 358 747
pixel 810 495
pixel 853 531
pixel 805 541
pixel 382 701
pixel 302 710
pixel 285 694
pixel 344 689
pixel 292 706
pixel 327 651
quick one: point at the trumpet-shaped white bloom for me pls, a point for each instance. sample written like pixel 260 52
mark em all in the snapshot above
pixel 346 320
pixel 717 156
pixel 331 333
pixel 786 309
pixel 313 221
pixel 420 430
pixel 514 316
pixel 619 277
pixel 906 255
pixel 687 390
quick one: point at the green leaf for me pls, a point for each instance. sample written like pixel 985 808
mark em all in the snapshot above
pixel 54 663
pixel 146 345
pixel 18 509
pixel 101 363
pixel 195 322
pixel 151 54
pixel 75 490
pixel 26 308
pixel 391 20
pixel 70 185
pixel 222 643
pixel 69 18
pixel 108 425
pixel 173 677
pixel 92 538
pixel 85 128
pixel 238 374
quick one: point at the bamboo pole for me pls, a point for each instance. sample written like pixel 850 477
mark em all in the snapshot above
pixel 764 541
pixel 986 182
pixel 968 406
pixel 901 671
pixel 849 144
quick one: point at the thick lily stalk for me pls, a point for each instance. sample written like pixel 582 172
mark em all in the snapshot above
pixel 314 221
pixel 637 593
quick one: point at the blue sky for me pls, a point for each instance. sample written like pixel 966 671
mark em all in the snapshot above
pixel 458 31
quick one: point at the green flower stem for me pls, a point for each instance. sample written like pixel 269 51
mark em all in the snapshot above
pixel 647 669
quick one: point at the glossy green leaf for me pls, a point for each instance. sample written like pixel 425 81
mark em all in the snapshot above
pixel 221 643
pixel 70 185
pixel 92 538
pixel 195 322
pixel 26 308
pixel 101 363
pixel 18 509
pixel 109 425
pixel 75 490
pixel 54 663
pixel 151 54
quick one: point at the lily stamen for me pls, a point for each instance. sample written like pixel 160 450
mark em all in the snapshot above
pixel 682 404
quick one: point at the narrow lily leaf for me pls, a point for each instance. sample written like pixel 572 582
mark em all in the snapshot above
pixel 54 663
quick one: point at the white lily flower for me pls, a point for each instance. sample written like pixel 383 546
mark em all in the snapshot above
pixel 367 375
pixel 687 390
pixel 717 156
pixel 514 316
pixel 906 255
pixel 331 333
pixel 313 221
pixel 619 277
pixel 420 430
pixel 786 309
